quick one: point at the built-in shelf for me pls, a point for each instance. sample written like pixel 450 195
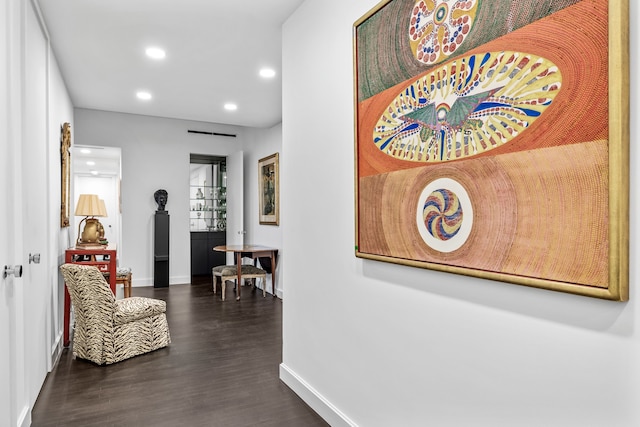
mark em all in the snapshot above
pixel 207 212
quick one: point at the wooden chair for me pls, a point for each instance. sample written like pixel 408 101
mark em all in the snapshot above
pixel 230 272
pixel 123 277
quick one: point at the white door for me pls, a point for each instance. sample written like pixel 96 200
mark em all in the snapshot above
pixel 6 193
pixel 7 299
pixel 14 402
pixel 35 203
pixel 235 202
pixel 7 305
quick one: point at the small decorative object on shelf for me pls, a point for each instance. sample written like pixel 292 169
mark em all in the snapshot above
pixel 199 194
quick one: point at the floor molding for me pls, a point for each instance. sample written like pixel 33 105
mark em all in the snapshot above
pixel 24 419
pixel 315 400
pixel 56 351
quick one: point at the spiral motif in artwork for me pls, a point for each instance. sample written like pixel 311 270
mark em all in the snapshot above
pixel 442 214
pixel 438 28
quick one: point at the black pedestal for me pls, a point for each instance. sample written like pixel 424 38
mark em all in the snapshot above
pixel 161 252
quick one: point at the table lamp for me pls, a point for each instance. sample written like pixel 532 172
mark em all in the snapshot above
pixel 103 212
pixel 89 207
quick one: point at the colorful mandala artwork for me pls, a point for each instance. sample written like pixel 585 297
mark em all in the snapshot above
pixel 467 106
pixel 444 215
pixel 438 28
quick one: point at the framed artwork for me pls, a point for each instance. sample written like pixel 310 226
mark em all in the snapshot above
pixel 492 140
pixel 65 172
pixel 269 190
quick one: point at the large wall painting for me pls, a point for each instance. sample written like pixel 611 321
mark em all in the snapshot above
pixel 492 140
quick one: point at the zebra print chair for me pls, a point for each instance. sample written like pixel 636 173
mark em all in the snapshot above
pixel 107 331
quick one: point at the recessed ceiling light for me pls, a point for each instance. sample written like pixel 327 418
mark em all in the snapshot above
pixel 230 107
pixel 85 151
pixel 94 172
pixel 91 163
pixel 155 53
pixel 267 73
pixel 145 96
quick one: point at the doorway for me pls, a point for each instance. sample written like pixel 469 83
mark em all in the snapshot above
pixel 208 212
pixel 96 170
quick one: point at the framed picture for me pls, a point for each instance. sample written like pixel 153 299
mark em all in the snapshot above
pixel 65 174
pixel 269 190
pixel 492 140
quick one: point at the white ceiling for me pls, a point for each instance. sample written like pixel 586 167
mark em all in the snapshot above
pixel 215 49
pixel 96 161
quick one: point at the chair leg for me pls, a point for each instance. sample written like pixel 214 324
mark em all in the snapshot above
pixel 223 285
pixel 254 285
pixel 224 288
pixel 264 286
pixel 127 286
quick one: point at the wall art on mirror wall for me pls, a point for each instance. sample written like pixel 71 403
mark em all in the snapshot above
pixel 492 140
pixel 65 173
pixel 269 190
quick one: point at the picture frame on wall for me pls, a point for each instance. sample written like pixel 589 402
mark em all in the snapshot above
pixel 65 173
pixel 269 190
pixel 492 140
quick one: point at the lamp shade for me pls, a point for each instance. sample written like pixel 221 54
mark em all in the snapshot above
pixel 88 205
pixel 103 209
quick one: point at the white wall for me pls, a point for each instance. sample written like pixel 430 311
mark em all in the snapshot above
pixel 376 344
pixel 155 154
pixel 261 143
pixel 60 112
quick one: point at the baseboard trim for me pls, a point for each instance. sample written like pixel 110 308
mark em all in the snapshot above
pixel 24 419
pixel 56 351
pixel 179 280
pixel 315 400
pixel 148 281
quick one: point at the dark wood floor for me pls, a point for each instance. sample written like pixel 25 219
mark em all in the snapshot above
pixel 221 369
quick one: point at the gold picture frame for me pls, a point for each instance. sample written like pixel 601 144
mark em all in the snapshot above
pixel 269 190
pixel 495 144
pixel 65 173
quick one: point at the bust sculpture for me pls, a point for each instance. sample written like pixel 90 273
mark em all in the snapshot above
pixel 161 197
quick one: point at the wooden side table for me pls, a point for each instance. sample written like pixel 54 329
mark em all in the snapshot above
pixel 88 256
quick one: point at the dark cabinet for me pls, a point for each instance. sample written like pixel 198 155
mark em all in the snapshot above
pixel 203 257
